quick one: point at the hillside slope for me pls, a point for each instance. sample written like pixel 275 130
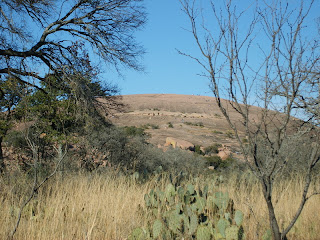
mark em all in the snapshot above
pixel 196 119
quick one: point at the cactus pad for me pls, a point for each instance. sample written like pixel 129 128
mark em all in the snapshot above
pixel 203 233
pixel 157 228
pixel 238 217
pixel 232 233
pixel 137 234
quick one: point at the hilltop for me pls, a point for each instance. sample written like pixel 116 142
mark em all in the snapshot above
pixel 196 119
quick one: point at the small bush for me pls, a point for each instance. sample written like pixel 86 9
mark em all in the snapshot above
pixel 227 163
pixel 214 161
pixel 198 124
pixel 217 132
pixel 197 149
pixel 155 126
pixel 218 163
pixel 213 149
pixel 170 125
pixel 16 139
pixel 229 134
pixel 149 125
pixel 134 131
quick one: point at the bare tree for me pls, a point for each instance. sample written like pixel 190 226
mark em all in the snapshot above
pixel 271 61
pixel 60 38
pixel 61 153
pixel 43 36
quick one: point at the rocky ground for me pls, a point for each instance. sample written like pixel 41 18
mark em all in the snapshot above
pixel 195 119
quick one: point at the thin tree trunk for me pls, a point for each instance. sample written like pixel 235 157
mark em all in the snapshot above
pixel 2 165
pixel 276 234
pixel 267 193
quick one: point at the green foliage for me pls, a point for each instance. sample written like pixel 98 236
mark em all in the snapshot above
pixel 149 125
pixel 5 125
pixel 212 149
pixel 229 133
pixel 54 112
pixel 245 140
pixel 188 213
pixel 10 96
pixel 134 131
pixel 214 161
pixel 197 124
pixel 170 125
pixel 227 163
pixel 197 149
pixel 16 139
pixel 132 153
pixel 218 163
pixel 267 235
pixel 217 132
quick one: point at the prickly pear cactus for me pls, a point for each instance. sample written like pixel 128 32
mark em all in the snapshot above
pixel 204 233
pixel 190 213
pixel 157 228
pixel 137 234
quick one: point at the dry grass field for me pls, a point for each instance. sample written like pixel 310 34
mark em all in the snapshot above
pixel 106 206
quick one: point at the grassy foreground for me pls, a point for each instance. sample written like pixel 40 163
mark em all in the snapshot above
pixel 107 206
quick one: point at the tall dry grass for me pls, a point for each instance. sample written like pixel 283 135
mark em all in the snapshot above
pixel 107 207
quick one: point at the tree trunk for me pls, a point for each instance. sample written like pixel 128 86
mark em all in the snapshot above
pixel 2 165
pixel 276 234
pixel 267 193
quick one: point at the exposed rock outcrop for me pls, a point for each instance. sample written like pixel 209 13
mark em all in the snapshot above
pixel 224 153
pixel 179 143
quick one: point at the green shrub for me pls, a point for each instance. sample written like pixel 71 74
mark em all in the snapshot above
pixel 134 154
pixel 218 163
pixel 198 124
pixel 212 149
pixel 227 163
pixel 16 139
pixel 134 131
pixel 245 140
pixel 149 125
pixel 170 125
pixel 217 132
pixel 197 149
pixel 229 133
pixel 153 126
pixel 214 161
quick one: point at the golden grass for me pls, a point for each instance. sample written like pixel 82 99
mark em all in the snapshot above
pixel 106 207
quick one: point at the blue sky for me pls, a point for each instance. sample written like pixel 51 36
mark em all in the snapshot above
pixel 165 70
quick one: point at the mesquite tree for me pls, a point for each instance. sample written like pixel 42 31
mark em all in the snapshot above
pixel 263 54
pixel 68 39
pixel 39 36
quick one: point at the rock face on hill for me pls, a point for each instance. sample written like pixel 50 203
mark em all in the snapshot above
pixel 194 119
pixel 175 142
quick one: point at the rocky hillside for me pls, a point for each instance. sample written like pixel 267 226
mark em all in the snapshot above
pixel 195 119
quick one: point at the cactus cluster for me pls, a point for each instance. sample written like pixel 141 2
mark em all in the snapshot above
pixel 189 213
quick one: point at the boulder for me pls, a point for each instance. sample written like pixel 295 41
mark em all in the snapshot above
pixel 175 142
pixel 224 153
